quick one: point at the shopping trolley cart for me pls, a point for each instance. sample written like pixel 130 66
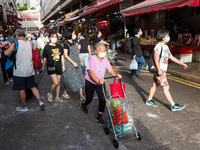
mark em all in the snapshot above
pixel 121 117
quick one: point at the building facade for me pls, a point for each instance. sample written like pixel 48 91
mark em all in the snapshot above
pixel 8 14
pixel 30 21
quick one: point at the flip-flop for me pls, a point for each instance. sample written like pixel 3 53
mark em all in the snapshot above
pixel 66 96
pixel 49 98
pixel 59 100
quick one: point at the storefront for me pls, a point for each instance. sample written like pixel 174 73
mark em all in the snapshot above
pixel 157 14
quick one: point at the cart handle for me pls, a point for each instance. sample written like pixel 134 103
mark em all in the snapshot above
pixel 110 77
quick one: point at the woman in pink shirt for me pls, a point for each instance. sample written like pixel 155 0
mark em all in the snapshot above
pixel 94 79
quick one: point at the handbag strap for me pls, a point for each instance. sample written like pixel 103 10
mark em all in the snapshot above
pixel 114 82
pixel 151 57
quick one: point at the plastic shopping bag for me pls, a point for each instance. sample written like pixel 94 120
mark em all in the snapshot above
pixel 133 65
pixel 120 117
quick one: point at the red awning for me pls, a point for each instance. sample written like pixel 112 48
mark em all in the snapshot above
pixel 88 10
pixel 148 6
pixel 106 3
pixel 48 25
pixel 98 5
pixel 14 17
pixel 61 23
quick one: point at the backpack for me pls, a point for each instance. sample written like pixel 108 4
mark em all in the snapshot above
pixel 13 54
pixel 129 45
pixel 151 64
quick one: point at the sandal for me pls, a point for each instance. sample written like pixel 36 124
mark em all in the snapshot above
pixel 59 100
pixel 66 96
pixel 49 98
pixel 82 99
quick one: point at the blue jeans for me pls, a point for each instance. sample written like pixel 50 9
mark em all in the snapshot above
pixel 141 62
pixel 85 57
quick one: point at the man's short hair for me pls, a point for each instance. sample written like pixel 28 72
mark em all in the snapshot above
pixel 97 45
pixel 20 32
pixel 136 30
pixel 161 34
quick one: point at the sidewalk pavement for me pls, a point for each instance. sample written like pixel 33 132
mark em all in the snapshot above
pixel 192 73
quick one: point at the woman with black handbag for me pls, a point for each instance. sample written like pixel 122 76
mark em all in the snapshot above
pixel 161 63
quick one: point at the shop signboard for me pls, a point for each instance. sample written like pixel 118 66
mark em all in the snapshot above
pixel 29 15
pixel 125 4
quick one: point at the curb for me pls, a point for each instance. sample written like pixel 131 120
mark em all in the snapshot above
pixel 172 72
pixel 184 76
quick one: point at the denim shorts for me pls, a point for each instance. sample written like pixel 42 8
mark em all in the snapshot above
pixel 22 83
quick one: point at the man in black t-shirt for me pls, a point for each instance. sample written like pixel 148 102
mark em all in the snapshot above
pixel 53 55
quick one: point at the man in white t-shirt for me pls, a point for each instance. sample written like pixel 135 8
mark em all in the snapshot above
pixel 23 72
pixel 161 56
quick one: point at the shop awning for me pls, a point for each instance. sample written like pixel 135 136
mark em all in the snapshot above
pixel 61 23
pixel 88 10
pixel 148 6
pixel 106 3
pixel 71 14
pixel 14 17
pixel 71 19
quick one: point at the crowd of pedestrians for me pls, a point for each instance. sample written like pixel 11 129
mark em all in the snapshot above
pixel 73 60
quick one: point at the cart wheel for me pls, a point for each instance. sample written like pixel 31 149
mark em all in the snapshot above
pixel 106 130
pixel 139 138
pixel 115 143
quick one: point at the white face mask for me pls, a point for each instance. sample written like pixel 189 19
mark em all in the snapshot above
pixel 29 39
pixel 74 37
pixel 54 40
pixel 100 34
pixel 102 55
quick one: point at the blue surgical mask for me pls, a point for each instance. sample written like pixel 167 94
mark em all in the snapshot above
pixel 167 39
pixel 29 39
pixel 2 38
pixel 141 33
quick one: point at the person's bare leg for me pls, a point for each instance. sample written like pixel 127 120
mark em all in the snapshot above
pixel 81 94
pixel 168 95
pixel 58 86
pixel 65 92
pixel 22 96
pixel 152 91
pixel 54 85
pixel 35 92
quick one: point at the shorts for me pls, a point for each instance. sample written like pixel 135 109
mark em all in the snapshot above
pixel 22 83
pixel 161 80
pixel 54 70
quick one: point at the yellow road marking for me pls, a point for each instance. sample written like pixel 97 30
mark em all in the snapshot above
pixel 185 80
pixel 189 83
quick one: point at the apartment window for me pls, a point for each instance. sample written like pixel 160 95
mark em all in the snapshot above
pixel 32 19
pixel 32 28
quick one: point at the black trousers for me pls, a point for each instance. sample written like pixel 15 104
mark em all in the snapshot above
pixel 89 91
pixel 3 65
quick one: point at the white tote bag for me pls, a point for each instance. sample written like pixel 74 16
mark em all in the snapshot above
pixel 133 65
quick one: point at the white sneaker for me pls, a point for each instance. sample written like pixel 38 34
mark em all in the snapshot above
pixel 22 108
pixel 41 104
